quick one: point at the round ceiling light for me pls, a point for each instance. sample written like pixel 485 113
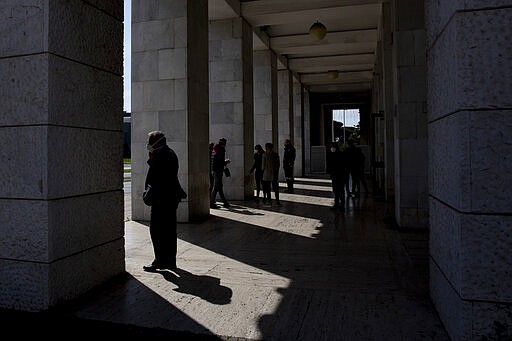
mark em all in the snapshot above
pixel 317 31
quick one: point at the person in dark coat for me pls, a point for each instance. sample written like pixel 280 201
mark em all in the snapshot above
pixel 218 163
pixel 288 161
pixel 210 148
pixel 337 169
pixel 162 176
pixel 257 169
pixel 270 166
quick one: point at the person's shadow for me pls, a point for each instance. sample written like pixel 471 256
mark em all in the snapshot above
pixel 206 287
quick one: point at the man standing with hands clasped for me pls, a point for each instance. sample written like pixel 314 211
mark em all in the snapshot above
pixel 162 179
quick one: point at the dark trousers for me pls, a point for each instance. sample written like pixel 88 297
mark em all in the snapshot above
pixel 267 192
pixel 338 185
pixel 258 175
pixel 217 188
pixel 288 174
pixel 162 229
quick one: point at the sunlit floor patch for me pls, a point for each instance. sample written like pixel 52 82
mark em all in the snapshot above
pixel 293 224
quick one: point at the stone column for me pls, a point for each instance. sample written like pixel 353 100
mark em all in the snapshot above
pixel 410 129
pixel 298 105
pixel 387 100
pixel 307 133
pixel 231 100
pixel 61 142
pixel 170 93
pixel 470 166
pixel 285 113
pixel 265 96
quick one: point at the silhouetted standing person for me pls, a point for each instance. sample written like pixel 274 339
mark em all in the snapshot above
pixel 219 162
pixel 257 169
pixel 358 179
pixel 162 177
pixel 355 159
pixel 210 148
pixel 336 168
pixel 288 161
pixel 270 165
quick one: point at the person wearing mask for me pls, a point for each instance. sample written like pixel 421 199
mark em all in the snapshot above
pixel 288 161
pixel 162 180
pixel 218 163
pixel 256 168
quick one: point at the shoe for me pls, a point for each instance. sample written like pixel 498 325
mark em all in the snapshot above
pixel 278 203
pixel 214 206
pixel 227 205
pixel 150 268
pixel 153 267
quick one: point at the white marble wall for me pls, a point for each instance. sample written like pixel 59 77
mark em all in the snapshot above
pixel 297 126
pixel 231 100
pixel 61 141
pixel 470 167
pixel 169 91
pixel 388 99
pixel 285 112
pixel 307 133
pixel 410 122
pixel 265 96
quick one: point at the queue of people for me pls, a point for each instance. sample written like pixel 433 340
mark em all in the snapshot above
pixel 345 168
pixel 163 191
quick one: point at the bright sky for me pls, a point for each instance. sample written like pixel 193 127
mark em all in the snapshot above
pixel 127 55
pixel 351 117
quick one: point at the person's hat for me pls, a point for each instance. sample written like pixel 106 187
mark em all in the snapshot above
pixel 222 140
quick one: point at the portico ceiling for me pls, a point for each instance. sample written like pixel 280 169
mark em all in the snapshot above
pixel 282 25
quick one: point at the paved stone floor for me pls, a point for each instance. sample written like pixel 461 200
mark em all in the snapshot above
pixel 301 271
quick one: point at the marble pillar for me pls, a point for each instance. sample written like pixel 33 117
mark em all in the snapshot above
pixel 61 142
pixel 470 166
pixel 231 100
pixel 170 94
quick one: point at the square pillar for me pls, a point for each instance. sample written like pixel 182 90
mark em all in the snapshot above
pixel 265 96
pixel 61 139
pixel 306 138
pixel 170 93
pixel 285 107
pixel 387 98
pixel 470 166
pixel 298 108
pixel 231 100
pixel 410 121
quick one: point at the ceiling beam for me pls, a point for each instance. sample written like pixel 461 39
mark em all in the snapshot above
pixel 343 37
pixel 297 16
pixel 332 49
pixel 265 7
pixel 344 77
pixel 331 61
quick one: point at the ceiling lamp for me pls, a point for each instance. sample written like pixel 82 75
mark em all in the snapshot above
pixel 332 74
pixel 317 31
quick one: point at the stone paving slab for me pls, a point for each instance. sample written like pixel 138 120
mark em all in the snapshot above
pixel 298 272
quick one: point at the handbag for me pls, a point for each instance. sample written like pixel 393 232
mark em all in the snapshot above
pixel 147 195
pixel 227 173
